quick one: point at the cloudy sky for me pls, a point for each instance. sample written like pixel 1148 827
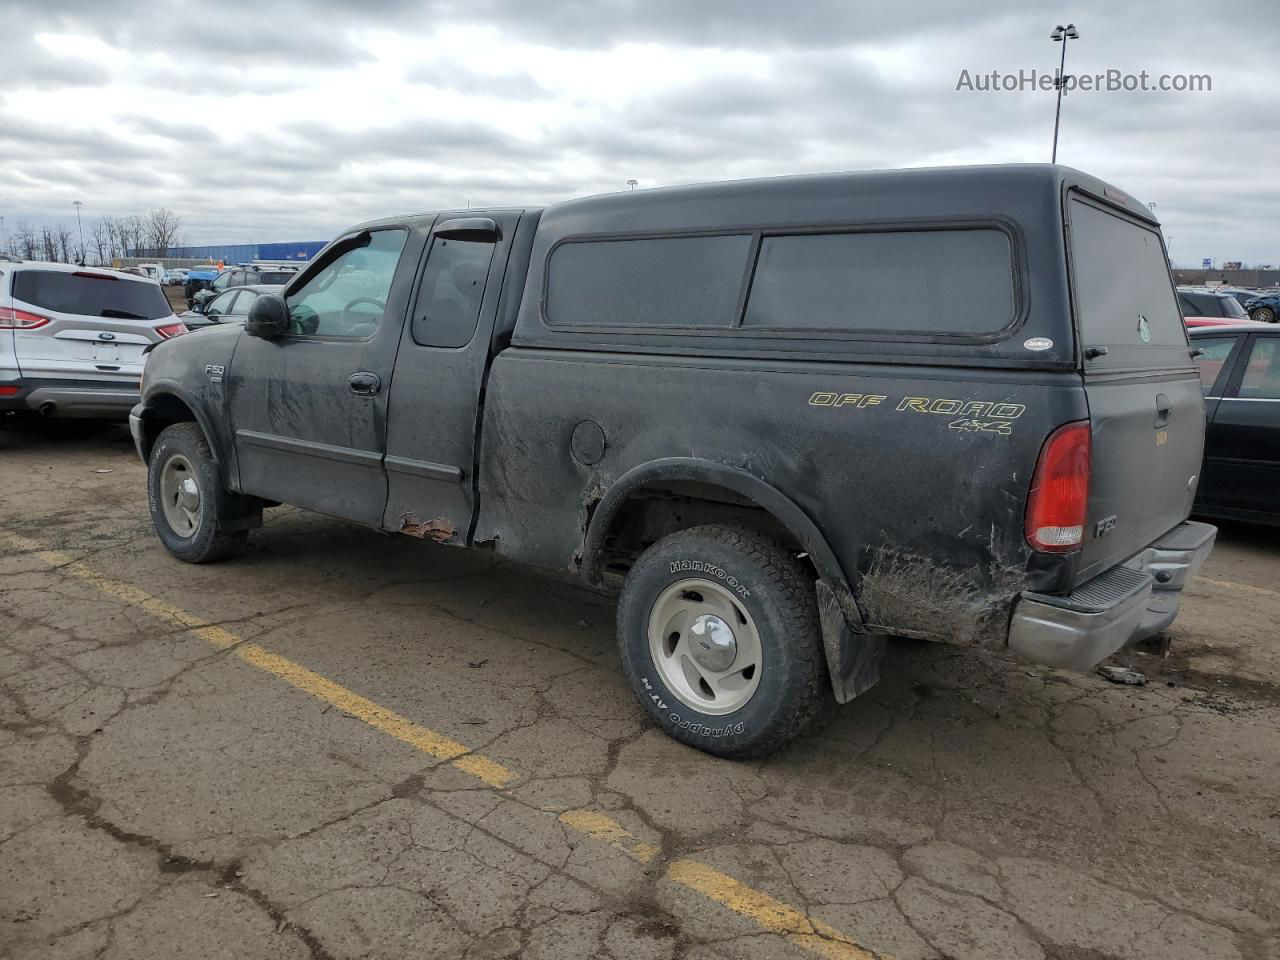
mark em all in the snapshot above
pixel 289 120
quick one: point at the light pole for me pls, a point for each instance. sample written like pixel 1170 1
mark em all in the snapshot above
pixel 632 183
pixel 80 226
pixel 1061 35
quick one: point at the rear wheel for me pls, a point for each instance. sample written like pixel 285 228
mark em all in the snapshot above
pixel 1264 315
pixel 718 633
pixel 189 507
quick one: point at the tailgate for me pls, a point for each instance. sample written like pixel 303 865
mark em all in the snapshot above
pixel 1145 402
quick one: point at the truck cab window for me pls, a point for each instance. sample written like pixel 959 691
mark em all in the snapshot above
pixel 449 297
pixel 347 298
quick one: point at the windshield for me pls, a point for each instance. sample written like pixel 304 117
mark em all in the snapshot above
pixel 91 294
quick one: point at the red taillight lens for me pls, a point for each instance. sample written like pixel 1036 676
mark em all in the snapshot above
pixel 171 330
pixel 9 391
pixel 1060 490
pixel 11 319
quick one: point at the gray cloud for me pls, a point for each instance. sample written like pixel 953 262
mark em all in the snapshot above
pixel 819 85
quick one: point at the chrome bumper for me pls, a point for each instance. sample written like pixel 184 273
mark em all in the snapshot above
pixel 1130 602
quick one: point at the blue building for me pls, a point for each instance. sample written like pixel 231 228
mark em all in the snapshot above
pixel 241 252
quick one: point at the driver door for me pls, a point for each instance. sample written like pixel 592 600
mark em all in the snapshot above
pixel 309 408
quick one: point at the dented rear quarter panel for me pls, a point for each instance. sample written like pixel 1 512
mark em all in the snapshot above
pixel 906 483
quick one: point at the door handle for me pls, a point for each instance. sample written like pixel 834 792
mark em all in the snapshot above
pixel 1163 409
pixel 364 384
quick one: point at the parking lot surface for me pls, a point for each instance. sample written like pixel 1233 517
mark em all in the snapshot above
pixel 345 744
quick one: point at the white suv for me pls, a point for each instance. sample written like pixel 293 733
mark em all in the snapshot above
pixel 72 338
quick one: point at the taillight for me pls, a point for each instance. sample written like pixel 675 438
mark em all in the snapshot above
pixel 1060 490
pixel 171 330
pixel 9 391
pixel 11 319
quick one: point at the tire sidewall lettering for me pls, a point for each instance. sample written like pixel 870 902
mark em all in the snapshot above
pixel 711 570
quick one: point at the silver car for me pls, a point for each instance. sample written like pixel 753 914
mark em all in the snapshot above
pixel 72 338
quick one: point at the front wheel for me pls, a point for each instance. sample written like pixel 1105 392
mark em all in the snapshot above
pixel 719 639
pixel 1264 315
pixel 188 503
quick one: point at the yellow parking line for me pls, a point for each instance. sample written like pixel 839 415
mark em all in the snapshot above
pixel 388 721
pixel 607 830
pixel 1232 585
pixel 769 913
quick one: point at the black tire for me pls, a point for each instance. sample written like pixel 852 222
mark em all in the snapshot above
pixel 211 540
pixel 1264 315
pixel 777 593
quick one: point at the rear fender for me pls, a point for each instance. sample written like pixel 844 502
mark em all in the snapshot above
pixel 852 653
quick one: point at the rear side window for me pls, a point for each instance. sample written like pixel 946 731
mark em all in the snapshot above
pixel 1124 295
pixel 1231 308
pixel 1201 305
pixel 1216 352
pixel 660 282
pixel 91 294
pixel 1261 379
pixel 913 281
pixel 449 297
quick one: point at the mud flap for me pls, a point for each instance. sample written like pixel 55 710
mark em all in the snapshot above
pixel 853 656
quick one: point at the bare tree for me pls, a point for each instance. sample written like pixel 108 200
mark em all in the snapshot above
pixel 65 249
pixel 101 234
pixel 48 244
pixel 24 238
pixel 163 227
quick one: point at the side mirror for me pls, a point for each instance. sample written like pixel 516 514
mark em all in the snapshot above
pixel 268 317
pixel 203 296
pixel 199 305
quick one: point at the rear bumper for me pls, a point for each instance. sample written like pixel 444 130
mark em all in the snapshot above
pixel 72 398
pixel 1128 603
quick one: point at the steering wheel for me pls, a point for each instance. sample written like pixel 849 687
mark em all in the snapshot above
pixel 349 321
pixel 304 323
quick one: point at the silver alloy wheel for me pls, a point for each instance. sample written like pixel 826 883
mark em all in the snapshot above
pixel 705 646
pixel 180 496
pixel 1265 315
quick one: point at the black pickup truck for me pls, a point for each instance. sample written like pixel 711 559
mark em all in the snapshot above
pixel 790 417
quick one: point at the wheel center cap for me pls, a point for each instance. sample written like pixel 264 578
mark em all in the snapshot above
pixel 713 645
pixel 189 494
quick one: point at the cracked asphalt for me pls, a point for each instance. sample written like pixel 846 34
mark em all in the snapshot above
pixel 346 744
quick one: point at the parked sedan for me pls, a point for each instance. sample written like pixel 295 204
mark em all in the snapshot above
pixel 1264 307
pixel 1240 372
pixel 242 277
pixel 232 305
